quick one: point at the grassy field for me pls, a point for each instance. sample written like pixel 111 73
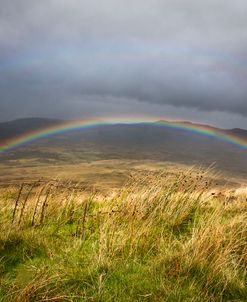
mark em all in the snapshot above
pixel 104 156
pixel 162 237
pixel 103 175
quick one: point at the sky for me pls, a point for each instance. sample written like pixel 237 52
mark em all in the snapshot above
pixel 181 59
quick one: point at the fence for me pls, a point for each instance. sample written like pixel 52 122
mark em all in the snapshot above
pixel 69 201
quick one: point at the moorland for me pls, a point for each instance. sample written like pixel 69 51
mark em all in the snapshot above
pixel 123 213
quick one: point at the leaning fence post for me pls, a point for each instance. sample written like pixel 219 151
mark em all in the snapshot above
pixel 42 215
pixel 16 202
pixel 25 202
pixel 37 204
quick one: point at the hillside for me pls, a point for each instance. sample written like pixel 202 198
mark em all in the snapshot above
pixel 160 238
pixel 116 213
pixel 17 127
pixel 113 150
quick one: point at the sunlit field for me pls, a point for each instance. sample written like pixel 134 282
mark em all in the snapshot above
pixel 123 151
pixel 161 237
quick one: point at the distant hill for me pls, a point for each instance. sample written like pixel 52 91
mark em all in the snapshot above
pixel 239 132
pixel 17 127
pixel 14 128
pixel 126 141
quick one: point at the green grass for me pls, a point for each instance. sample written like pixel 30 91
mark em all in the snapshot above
pixel 158 239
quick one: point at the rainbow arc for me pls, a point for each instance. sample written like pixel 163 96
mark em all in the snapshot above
pixel 75 125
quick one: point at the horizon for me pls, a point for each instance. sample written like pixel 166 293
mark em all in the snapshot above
pixel 102 118
pixel 67 126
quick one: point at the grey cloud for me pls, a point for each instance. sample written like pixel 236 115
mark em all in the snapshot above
pixel 58 55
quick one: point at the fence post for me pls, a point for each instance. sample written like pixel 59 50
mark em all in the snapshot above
pixel 37 204
pixel 25 202
pixel 16 202
pixel 42 215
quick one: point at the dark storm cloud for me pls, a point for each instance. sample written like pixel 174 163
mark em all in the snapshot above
pixel 63 57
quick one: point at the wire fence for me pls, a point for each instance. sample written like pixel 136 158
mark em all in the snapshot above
pixel 32 200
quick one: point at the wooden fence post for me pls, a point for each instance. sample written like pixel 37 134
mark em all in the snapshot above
pixel 25 202
pixel 42 215
pixel 16 202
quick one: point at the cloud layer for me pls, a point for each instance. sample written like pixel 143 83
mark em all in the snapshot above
pixel 68 58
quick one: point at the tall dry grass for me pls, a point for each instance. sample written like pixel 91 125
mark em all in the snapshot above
pixel 160 238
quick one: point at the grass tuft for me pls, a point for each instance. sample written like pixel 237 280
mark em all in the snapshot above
pixel 159 238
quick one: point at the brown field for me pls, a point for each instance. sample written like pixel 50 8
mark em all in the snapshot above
pixel 102 175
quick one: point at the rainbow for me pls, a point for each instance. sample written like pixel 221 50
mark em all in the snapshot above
pixel 75 125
